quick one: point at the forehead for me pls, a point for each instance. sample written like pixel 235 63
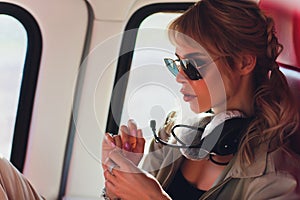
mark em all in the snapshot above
pixel 185 44
pixel 187 50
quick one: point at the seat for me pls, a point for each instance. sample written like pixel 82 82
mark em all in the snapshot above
pixel 286 15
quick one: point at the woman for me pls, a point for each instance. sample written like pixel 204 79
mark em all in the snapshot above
pixel 239 40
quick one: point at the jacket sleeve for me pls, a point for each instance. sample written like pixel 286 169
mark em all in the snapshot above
pixel 155 157
pixel 13 185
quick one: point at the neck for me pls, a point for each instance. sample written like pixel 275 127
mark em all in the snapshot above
pixel 240 99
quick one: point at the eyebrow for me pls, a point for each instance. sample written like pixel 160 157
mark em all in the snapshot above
pixel 190 55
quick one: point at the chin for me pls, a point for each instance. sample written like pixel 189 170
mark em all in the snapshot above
pixel 199 109
pixel 195 108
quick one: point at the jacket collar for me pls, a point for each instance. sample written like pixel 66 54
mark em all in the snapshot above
pixel 257 168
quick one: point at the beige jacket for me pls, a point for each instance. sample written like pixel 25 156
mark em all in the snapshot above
pixel 274 175
pixel 13 185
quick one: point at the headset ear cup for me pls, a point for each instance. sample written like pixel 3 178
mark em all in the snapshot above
pixel 225 138
pixel 232 131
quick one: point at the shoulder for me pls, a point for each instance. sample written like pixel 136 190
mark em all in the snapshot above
pixel 274 172
pixel 282 175
pixel 280 179
pixel 273 185
pixel 284 160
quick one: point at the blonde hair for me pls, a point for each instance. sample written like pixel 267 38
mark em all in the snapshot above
pixel 227 28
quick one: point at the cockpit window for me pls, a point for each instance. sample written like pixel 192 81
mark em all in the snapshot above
pixel 13 40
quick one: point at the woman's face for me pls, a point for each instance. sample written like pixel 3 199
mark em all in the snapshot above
pixel 207 93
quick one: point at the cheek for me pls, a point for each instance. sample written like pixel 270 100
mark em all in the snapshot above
pixel 215 82
pixel 203 96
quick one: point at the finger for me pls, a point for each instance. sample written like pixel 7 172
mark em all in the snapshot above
pixel 132 132
pixel 110 183
pixel 107 146
pixel 110 177
pixel 123 163
pixel 111 190
pixel 110 166
pixel 118 141
pixel 140 142
pixel 108 139
pixel 108 163
pixel 125 137
pixel 132 127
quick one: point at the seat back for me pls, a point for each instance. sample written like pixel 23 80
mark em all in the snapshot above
pixel 286 15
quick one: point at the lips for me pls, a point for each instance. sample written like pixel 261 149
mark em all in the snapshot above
pixel 187 96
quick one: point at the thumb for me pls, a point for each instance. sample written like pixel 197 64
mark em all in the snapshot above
pixel 122 162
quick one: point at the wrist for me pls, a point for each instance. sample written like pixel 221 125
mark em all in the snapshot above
pixel 106 197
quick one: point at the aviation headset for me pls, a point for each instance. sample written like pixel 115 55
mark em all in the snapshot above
pixel 220 136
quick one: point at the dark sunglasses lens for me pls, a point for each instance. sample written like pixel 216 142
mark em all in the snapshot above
pixel 190 70
pixel 171 65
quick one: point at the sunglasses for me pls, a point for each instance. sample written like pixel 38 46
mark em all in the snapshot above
pixel 188 66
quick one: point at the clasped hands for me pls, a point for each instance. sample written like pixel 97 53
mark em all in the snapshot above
pixel 121 155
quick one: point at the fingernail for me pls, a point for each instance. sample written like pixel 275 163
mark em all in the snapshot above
pixel 107 136
pixel 112 144
pixel 132 120
pixel 127 146
pixel 133 133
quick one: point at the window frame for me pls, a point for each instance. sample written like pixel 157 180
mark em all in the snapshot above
pixel 28 82
pixel 125 60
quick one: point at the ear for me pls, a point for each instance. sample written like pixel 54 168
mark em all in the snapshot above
pixel 247 64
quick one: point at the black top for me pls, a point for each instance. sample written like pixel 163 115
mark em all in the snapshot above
pixel 181 189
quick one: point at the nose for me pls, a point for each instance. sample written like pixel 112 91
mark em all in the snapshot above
pixel 181 78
